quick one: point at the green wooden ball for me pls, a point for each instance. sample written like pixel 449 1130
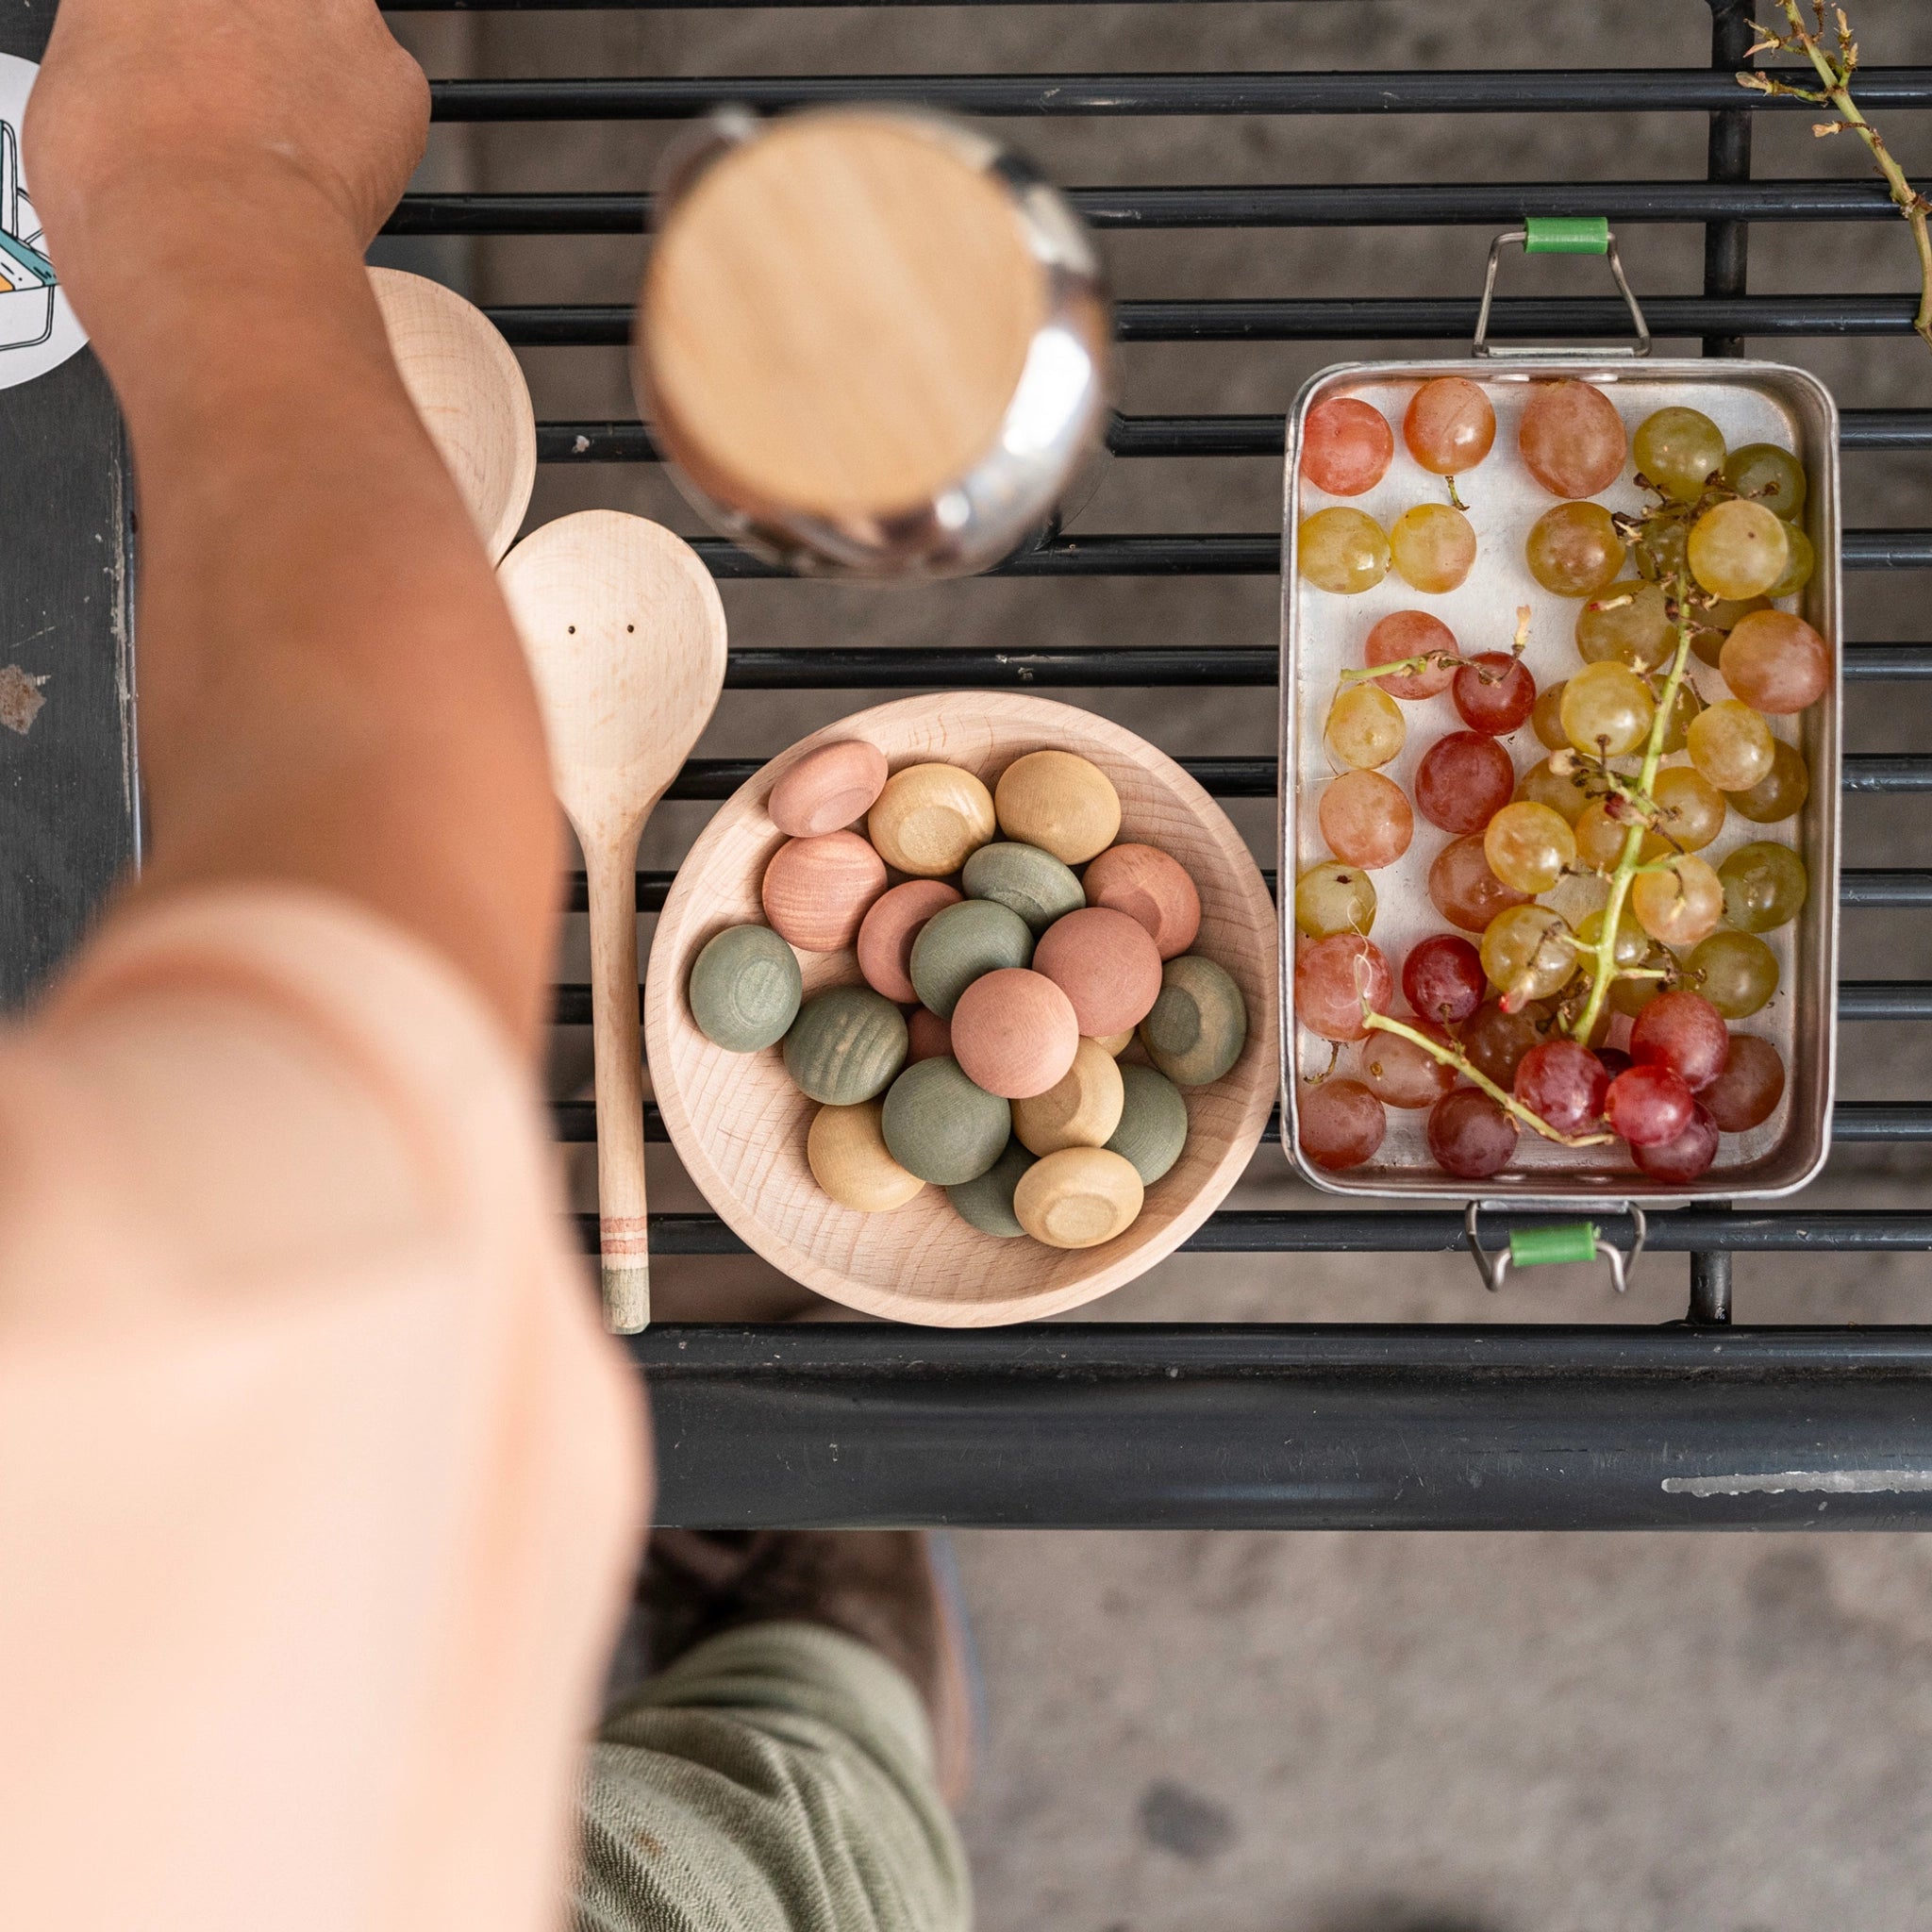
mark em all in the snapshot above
pixel 938 1126
pixel 745 989
pixel 845 1045
pixel 1025 880
pixel 1154 1122
pixel 961 942
pixel 1199 1024
pixel 988 1202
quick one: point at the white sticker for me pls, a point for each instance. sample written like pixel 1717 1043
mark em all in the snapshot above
pixel 38 329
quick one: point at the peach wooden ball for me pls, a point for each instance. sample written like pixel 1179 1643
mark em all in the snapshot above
pixel 1149 886
pixel 1107 963
pixel 830 790
pixel 1014 1033
pixel 816 891
pixel 887 932
pixel 740 1127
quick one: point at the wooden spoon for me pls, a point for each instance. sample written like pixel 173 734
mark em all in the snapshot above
pixel 625 638
pixel 469 390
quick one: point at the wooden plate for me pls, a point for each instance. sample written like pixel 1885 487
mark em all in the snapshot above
pixel 740 1125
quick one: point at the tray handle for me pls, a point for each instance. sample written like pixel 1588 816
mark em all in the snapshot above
pixel 1562 235
pixel 1539 1247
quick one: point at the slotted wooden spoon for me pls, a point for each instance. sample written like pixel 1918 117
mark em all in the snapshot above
pixel 625 638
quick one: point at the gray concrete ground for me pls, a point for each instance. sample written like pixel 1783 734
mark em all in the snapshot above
pixel 1357 1733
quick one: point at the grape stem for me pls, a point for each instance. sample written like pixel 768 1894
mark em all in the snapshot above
pixel 1455 1057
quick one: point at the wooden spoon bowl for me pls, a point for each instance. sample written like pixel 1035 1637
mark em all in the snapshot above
pixel 740 1125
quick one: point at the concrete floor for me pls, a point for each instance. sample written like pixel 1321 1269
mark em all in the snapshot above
pixel 1357 1733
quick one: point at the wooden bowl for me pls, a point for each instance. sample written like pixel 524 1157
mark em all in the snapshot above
pixel 740 1125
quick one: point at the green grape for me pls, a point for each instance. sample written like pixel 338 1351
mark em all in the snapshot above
pixel 1529 846
pixel 1663 549
pixel 1764 885
pixel 1606 709
pixel 1798 570
pixel 1629 623
pixel 1737 550
pixel 1573 550
pixel 1769 476
pixel 1781 792
pixel 1546 719
pixel 1711 624
pixel 1365 727
pixel 1633 942
pixel 1527 953
pixel 1684 707
pixel 1343 550
pixel 1562 792
pixel 1599 837
pixel 1332 897
pixel 1679 450
pixel 1680 903
pixel 1692 812
pixel 1630 996
pixel 1731 745
pixel 1432 546
pixel 1734 970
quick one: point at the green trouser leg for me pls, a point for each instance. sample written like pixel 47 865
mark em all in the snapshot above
pixel 778 1778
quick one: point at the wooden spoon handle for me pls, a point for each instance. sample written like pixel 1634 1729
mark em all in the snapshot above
pixel 622 1226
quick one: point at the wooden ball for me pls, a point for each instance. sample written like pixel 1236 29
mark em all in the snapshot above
pixel 1147 884
pixel 928 1036
pixel 887 930
pixel 1014 1033
pixel 930 818
pixel 1154 1122
pixel 1116 1043
pixel 849 1159
pixel 940 1127
pixel 745 989
pixel 1106 963
pixel 1081 1109
pixel 1078 1197
pixel 1025 879
pixel 817 891
pixel 845 1045
pixel 1064 805
pixel 827 789
pixel 1198 1025
pixel 961 942
pixel 988 1202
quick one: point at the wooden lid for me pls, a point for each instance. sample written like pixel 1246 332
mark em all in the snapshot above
pixel 836 318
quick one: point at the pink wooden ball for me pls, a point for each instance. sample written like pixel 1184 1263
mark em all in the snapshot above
pixel 1148 884
pixel 886 935
pixel 827 789
pixel 1014 1033
pixel 928 1036
pixel 817 891
pixel 1107 963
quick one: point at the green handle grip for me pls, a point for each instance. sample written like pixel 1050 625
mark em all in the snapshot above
pixel 1538 1247
pixel 1566 234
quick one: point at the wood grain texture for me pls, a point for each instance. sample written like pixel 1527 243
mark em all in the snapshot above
pixel 740 1127
pixel 817 892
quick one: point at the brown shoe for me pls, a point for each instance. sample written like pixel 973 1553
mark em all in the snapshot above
pixel 883 1586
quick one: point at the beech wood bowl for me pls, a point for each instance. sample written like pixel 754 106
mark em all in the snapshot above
pixel 740 1125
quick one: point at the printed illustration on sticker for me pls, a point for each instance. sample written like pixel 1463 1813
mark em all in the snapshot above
pixel 38 328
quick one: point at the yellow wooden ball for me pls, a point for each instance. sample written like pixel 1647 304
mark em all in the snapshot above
pixel 1082 1110
pixel 847 1154
pixel 1063 804
pixel 930 820
pixel 1078 1197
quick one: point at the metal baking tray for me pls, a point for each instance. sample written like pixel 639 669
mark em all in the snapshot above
pixel 1322 633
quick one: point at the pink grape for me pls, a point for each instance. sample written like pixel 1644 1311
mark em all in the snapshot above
pixel 1366 820
pixel 1564 1084
pixel 1571 438
pixel 1443 979
pixel 1684 1032
pixel 1686 1157
pixel 1401 1073
pixel 1463 781
pixel 1336 979
pixel 1648 1106
pixel 1449 425
pixel 1470 1135
pixel 1405 634
pixel 1463 889
pixel 1746 1093
pixel 1346 446
pixel 1494 693
pixel 1495 1042
pixel 1341 1124
pixel 1775 662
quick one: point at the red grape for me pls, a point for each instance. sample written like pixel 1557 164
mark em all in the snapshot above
pixel 1571 438
pixel 1449 425
pixel 1470 1135
pixel 1463 889
pixel 1685 1157
pixel 1463 781
pixel 1443 979
pixel 1405 634
pixel 1775 662
pixel 1648 1106
pixel 1366 820
pixel 1564 1084
pixel 1401 1073
pixel 1614 1060
pixel 1341 1123
pixel 1746 1093
pixel 1346 446
pixel 1494 693
pixel 1336 979
pixel 1684 1032
pixel 1495 1042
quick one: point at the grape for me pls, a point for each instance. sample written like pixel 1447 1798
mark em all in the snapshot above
pixel 1614 1060
pixel 1341 1124
pixel 1343 551
pixel 1546 719
pixel 1432 546
pixel 1633 942
pixel 1684 1032
pixel 1746 1093
pixel 1630 623
pixel 1711 623
pixel 1771 476
pixel 1685 706
pixel 1608 710
pixel 1335 979
pixel 1734 970
pixel 1450 426
pixel 1680 905
pixel 1731 745
pixel 1631 995
pixel 1691 810
pixel 1528 953
pixel 1494 693
pixel 1405 634
pixel 1573 550
pixel 1798 572
pixel 1737 550
pixel 1346 446
pixel 1663 550
pixel 1529 846
pixel 1470 1135
pixel 1776 662
pixel 1463 889
pixel 1562 792
pixel 1366 820
pixel 1463 781
pixel 1331 898
pixel 1365 727
pixel 1571 438
pixel 1401 1073
pixel 1686 1156
pixel 1564 1084
pixel 1442 978
pixel 1679 450
pixel 1648 1106
pixel 1781 792
pixel 1600 837
pixel 1494 1042
pixel 1764 885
